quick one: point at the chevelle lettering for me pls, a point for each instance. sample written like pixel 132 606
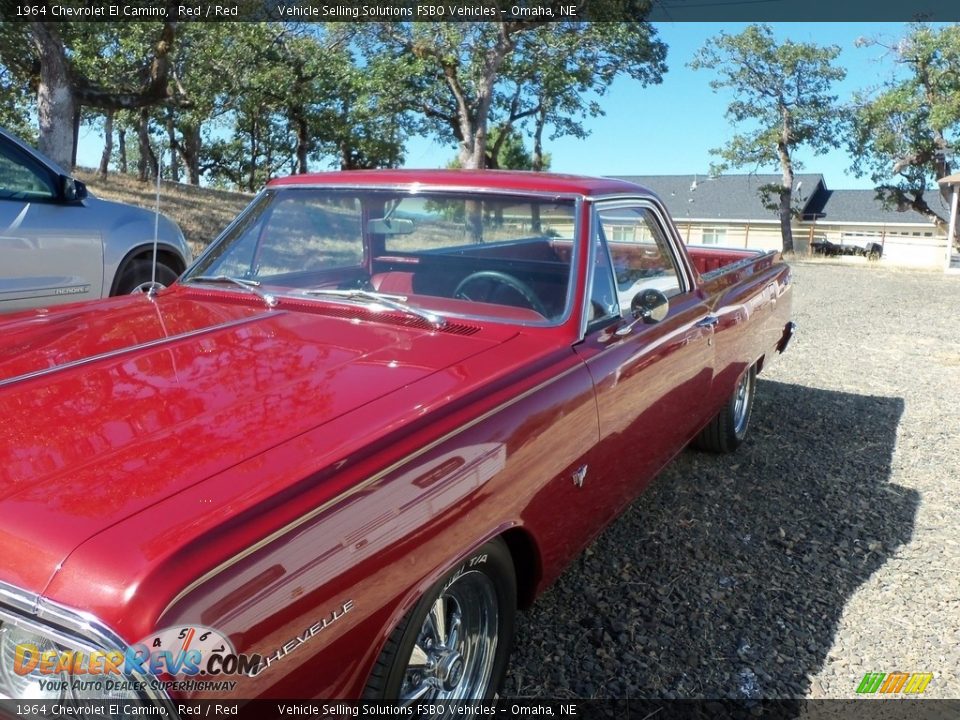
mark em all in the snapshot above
pixel 380 414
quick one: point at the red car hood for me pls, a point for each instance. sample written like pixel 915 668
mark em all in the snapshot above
pixel 108 408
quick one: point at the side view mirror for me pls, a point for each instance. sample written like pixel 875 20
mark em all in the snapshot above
pixel 648 306
pixel 390 226
pixel 72 190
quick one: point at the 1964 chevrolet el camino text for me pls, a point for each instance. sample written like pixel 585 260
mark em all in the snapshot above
pixel 380 413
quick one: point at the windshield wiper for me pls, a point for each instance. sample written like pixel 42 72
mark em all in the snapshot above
pixel 394 302
pixel 251 286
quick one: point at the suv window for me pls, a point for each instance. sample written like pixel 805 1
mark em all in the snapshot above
pixel 20 181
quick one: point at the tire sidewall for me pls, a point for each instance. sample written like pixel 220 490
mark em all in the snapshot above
pixel 494 560
pixel 140 271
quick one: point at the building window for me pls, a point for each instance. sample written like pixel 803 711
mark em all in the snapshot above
pixel 714 235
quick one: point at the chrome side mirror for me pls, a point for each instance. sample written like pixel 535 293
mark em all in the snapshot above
pixel 648 306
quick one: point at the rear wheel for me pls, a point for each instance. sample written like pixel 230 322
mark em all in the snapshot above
pixel 138 274
pixel 728 429
pixel 455 643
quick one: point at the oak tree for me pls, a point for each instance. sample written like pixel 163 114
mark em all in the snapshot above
pixel 42 54
pixel 782 99
pixel 905 133
pixel 466 79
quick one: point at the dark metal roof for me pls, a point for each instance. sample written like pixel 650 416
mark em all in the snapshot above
pixel 726 197
pixel 863 206
pixel 737 198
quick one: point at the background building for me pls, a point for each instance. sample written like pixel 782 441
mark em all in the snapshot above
pixel 728 210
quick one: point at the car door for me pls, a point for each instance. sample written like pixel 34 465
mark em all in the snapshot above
pixel 47 255
pixel 650 379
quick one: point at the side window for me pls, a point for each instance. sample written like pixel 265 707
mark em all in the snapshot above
pixel 20 181
pixel 603 293
pixel 640 252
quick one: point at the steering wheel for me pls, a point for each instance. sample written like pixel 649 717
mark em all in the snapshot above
pixel 520 287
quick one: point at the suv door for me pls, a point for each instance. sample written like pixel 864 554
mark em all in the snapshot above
pixel 651 380
pixel 47 256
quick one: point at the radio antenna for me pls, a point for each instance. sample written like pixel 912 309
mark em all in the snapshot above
pixel 156 229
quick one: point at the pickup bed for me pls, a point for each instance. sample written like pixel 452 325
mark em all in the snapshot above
pixel 381 413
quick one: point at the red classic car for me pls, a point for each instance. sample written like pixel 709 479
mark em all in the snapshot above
pixel 380 413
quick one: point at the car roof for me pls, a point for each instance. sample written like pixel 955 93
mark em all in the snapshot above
pixel 503 180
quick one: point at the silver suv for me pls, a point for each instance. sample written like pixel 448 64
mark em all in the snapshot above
pixel 60 244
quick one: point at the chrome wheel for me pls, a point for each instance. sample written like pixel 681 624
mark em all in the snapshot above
pixel 728 428
pixel 741 403
pixel 147 287
pixel 455 649
pixel 454 643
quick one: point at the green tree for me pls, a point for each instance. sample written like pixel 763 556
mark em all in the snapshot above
pixel 16 106
pixel 560 75
pixel 466 79
pixel 512 154
pixel 344 111
pixel 303 100
pixel 782 98
pixel 71 65
pixel 905 134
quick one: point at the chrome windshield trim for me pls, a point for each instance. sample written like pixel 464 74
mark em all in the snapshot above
pixel 73 628
pixel 279 291
pixel 420 188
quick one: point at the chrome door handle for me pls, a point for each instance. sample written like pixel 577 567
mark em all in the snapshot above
pixel 708 322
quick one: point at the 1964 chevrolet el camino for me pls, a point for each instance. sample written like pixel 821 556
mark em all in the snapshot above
pixel 380 413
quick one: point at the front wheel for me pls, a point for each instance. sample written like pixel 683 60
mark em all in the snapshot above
pixel 455 643
pixel 727 430
pixel 138 277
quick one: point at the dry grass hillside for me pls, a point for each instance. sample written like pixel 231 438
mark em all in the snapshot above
pixel 201 212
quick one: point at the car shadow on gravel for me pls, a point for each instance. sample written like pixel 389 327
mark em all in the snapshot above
pixel 728 578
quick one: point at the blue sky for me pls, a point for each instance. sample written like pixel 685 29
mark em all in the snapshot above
pixel 670 128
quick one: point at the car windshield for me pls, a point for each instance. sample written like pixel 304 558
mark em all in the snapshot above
pixel 479 255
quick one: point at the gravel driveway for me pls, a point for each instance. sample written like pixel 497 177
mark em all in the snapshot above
pixel 826 547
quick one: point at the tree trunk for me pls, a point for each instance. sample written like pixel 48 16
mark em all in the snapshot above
pixel 107 145
pixel 786 189
pixel 122 142
pixel 190 152
pixel 147 164
pixel 346 156
pixel 468 156
pixel 786 217
pixel 56 105
pixel 172 141
pixel 537 165
pixel 75 140
pixel 59 95
pixel 303 140
pixel 254 150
